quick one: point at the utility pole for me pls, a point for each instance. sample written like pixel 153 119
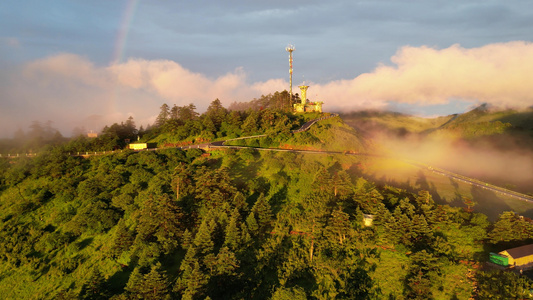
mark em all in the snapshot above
pixel 289 49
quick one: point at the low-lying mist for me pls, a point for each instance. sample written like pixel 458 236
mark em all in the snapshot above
pixel 502 161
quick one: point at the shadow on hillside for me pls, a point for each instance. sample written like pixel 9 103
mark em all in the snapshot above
pixel 84 243
pixel 117 282
pixel 421 183
pixel 528 213
pixel 431 130
pixel 521 120
pixel 279 199
pixel 488 203
pixel 245 166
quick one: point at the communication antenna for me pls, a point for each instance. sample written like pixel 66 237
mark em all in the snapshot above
pixel 289 49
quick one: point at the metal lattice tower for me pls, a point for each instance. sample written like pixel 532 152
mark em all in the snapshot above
pixel 289 49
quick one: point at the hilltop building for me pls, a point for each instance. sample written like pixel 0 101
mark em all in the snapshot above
pixel 305 105
pixel 519 257
pixel 92 134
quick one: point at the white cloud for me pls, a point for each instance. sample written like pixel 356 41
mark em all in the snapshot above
pixel 70 89
pixel 497 73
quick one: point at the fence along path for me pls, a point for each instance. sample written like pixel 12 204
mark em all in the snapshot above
pixel 305 127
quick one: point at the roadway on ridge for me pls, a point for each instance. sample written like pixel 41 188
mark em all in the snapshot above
pixel 307 125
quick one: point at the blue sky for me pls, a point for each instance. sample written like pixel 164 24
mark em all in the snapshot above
pixel 98 62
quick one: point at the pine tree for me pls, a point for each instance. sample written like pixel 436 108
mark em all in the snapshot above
pixel 262 212
pixel 130 131
pixel 232 231
pixel 239 202
pixel 421 233
pixel 154 285
pixel 216 112
pixel 174 112
pixel 160 219
pixel 187 113
pixel 163 116
pixel 341 184
pixel 66 295
pixel 323 181
pixel 95 287
pixel 186 239
pixel 122 240
pixel 421 277
pixel 251 224
pixel 193 283
pixel 246 238
pixel 339 225
pixel 192 279
pixel 249 126
pixel 226 262
pixel 213 187
pixel 203 240
pixel 134 281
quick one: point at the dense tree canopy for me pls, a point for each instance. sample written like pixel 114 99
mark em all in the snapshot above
pixel 234 224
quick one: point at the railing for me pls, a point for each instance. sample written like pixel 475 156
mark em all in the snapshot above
pixel 78 153
pixel 304 127
pixel 472 181
pixel 9 155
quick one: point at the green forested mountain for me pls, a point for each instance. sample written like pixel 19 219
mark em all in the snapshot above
pixel 238 224
pixel 483 122
pixel 393 122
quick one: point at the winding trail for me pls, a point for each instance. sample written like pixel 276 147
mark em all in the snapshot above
pixel 305 127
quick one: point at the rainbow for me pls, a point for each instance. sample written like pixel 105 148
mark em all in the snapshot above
pixel 122 34
pixel 120 44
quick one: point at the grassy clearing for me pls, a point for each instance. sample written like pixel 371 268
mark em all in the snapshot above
pixel 328 135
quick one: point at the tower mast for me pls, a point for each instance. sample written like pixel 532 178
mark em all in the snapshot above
pixel 289 49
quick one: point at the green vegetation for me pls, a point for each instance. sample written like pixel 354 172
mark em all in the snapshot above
pixel 394 122
pixel 479 123
pixel 328 135
pixel 444 190
pixel 238 224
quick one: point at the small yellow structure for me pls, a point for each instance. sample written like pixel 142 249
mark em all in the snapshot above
pixel 520 257
pixel 92 134
pixel 140 146
pixel 368 220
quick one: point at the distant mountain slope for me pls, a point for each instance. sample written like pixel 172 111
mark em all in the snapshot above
pixel 480 122
pixel 392 122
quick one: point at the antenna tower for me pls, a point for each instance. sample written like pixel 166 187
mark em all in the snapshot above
pixel 289 49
